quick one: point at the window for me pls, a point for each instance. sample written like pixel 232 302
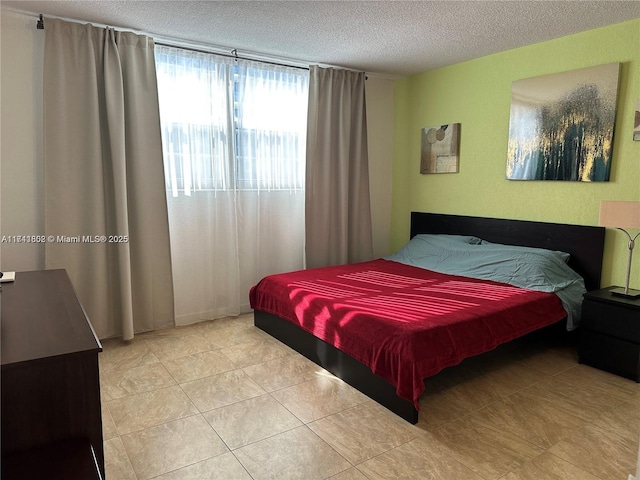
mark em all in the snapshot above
pixel 229 124
pixel 234 144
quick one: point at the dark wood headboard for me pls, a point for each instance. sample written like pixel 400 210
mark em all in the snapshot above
pixel 584 243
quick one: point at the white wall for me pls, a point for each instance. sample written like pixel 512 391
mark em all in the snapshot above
pixel 21 153
pixel 380 107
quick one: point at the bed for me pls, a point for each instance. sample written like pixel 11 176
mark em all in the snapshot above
pixel 385 326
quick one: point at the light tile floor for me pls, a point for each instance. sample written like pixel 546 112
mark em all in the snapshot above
pixel 224 400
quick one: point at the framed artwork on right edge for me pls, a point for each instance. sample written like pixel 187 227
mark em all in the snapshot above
pixel 636 122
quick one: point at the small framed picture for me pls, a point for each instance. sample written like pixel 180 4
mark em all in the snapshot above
pixel 440 146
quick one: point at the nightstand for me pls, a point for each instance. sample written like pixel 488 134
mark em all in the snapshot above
pixel 610 333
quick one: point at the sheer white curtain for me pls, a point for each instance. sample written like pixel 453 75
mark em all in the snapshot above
pixel 234 136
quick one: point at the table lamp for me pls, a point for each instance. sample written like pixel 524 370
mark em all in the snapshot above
pixel 622 216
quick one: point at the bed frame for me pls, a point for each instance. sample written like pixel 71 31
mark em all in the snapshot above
pixel 584 243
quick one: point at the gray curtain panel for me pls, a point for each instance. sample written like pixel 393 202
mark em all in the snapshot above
pixel 337 202
pixel 105 204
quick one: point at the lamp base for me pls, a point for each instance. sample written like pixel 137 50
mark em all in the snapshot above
pixel 620 292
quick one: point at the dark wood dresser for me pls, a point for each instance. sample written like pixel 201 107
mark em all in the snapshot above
pixel 50 399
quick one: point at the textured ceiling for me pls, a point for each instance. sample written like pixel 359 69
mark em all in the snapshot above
pixel 390 38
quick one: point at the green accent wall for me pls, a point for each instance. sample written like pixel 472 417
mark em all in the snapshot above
pixel 477 94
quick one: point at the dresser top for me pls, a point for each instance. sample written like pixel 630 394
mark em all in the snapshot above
pixel 42 318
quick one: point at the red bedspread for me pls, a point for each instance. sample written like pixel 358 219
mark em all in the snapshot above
pixel 405 323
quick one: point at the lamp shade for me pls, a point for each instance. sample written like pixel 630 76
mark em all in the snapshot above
pixel 619 214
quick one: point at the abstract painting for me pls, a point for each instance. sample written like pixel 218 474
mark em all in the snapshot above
pixel 561 125
pixel 440 149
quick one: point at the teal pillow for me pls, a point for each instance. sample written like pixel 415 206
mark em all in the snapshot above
pixel 539 251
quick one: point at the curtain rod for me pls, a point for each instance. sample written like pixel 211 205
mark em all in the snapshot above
pixel 233 54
